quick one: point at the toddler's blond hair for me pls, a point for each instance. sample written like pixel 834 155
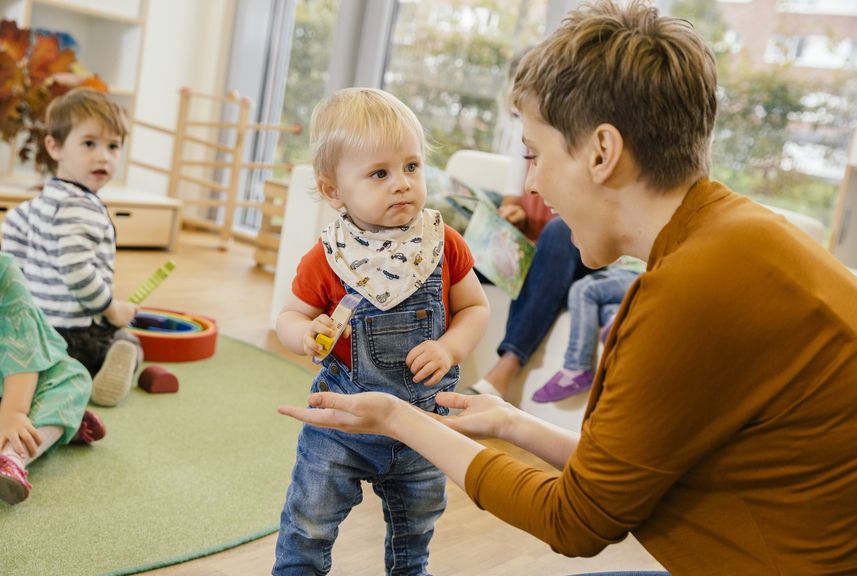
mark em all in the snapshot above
pixel 358 118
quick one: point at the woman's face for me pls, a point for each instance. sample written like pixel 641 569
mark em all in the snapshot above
pixel 564 181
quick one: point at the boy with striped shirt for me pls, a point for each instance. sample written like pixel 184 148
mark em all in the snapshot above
pixel 65 242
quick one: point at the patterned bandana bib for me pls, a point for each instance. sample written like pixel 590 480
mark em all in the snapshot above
pixel 385 266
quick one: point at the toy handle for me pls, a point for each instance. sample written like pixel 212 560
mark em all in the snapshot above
pixel 341 316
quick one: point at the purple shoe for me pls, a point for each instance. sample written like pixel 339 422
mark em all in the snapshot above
pixel 562 386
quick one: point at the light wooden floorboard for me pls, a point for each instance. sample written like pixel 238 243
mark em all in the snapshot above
pixel 226 286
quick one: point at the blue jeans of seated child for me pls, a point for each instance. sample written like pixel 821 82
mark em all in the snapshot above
pixel 591 302
pixel 555 266
pixel 330 465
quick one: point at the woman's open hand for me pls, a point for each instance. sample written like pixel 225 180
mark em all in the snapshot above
pixel 364 413
pixel 480 416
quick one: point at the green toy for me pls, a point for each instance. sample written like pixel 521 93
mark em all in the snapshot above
pixel 152 282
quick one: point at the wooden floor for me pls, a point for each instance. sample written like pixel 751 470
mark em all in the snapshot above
pixel 227 286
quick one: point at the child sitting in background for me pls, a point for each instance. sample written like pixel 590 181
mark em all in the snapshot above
pixel 65 242
pixel 592 299
pixel 43 392
pixel 422 311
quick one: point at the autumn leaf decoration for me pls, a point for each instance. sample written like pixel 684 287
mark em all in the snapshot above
pixel 34 71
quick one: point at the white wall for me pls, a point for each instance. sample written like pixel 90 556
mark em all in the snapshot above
pixel 186 44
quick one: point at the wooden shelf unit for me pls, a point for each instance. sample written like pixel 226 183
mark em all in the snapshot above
pixel 109 34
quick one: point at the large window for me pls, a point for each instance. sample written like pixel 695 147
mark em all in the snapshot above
pixel 788 100
pixel 315 21
pixel 448 61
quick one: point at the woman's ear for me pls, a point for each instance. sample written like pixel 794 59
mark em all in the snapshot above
pixel 606 151
pixel 328 190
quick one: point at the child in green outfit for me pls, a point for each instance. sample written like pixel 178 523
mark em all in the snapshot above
pixel 43 391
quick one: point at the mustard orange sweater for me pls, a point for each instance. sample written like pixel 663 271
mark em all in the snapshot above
pixel 722 426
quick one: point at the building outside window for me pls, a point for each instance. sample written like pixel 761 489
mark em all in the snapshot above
pixel 788 101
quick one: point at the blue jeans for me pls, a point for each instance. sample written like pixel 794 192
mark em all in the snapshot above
pixel 592 301
pixel 555 266
pixel 326 485
pixel 330 465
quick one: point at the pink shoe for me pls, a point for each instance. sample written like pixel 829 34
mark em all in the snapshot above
pixel 91 429
pixel 14 487
pixel 561 386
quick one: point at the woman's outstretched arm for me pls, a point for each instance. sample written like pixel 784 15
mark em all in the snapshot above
pixel 444 441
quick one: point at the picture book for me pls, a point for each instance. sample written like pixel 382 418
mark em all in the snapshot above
pixel 500 251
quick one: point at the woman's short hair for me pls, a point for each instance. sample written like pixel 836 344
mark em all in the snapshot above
pixel 652 77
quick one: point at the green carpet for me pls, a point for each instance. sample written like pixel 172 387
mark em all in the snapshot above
pixel 178 476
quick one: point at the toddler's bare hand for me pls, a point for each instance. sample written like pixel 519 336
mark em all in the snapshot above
pixel 322 324
pixel 18 431
pixel 429 359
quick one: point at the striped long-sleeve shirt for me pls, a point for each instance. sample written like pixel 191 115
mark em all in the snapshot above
pixel 65 243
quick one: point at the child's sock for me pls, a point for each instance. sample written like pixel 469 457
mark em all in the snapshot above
pixel 483 386
pixel 113 381
pixel 50 435
pixel 9 453
pixel 569 374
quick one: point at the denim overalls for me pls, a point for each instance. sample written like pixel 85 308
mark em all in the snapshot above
pixel 330 465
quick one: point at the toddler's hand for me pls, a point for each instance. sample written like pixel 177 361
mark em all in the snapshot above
pixel 120 313
pixel 17 430
pixel 322 324
pixel 430 358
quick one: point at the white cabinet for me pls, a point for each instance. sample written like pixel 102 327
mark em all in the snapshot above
pixel 141 220
pixel 109 36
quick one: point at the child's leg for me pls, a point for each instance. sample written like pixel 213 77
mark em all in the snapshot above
pixel 14 487
pixel 585 300
pixel 88 345
pixel 49 434
pixel 583 306
pixel 555 266
pixel 413 497
pixel 325 487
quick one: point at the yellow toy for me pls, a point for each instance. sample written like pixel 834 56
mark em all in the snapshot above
pixel 341 316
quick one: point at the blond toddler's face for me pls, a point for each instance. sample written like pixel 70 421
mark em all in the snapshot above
pixel 88 156
pixel 382 187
